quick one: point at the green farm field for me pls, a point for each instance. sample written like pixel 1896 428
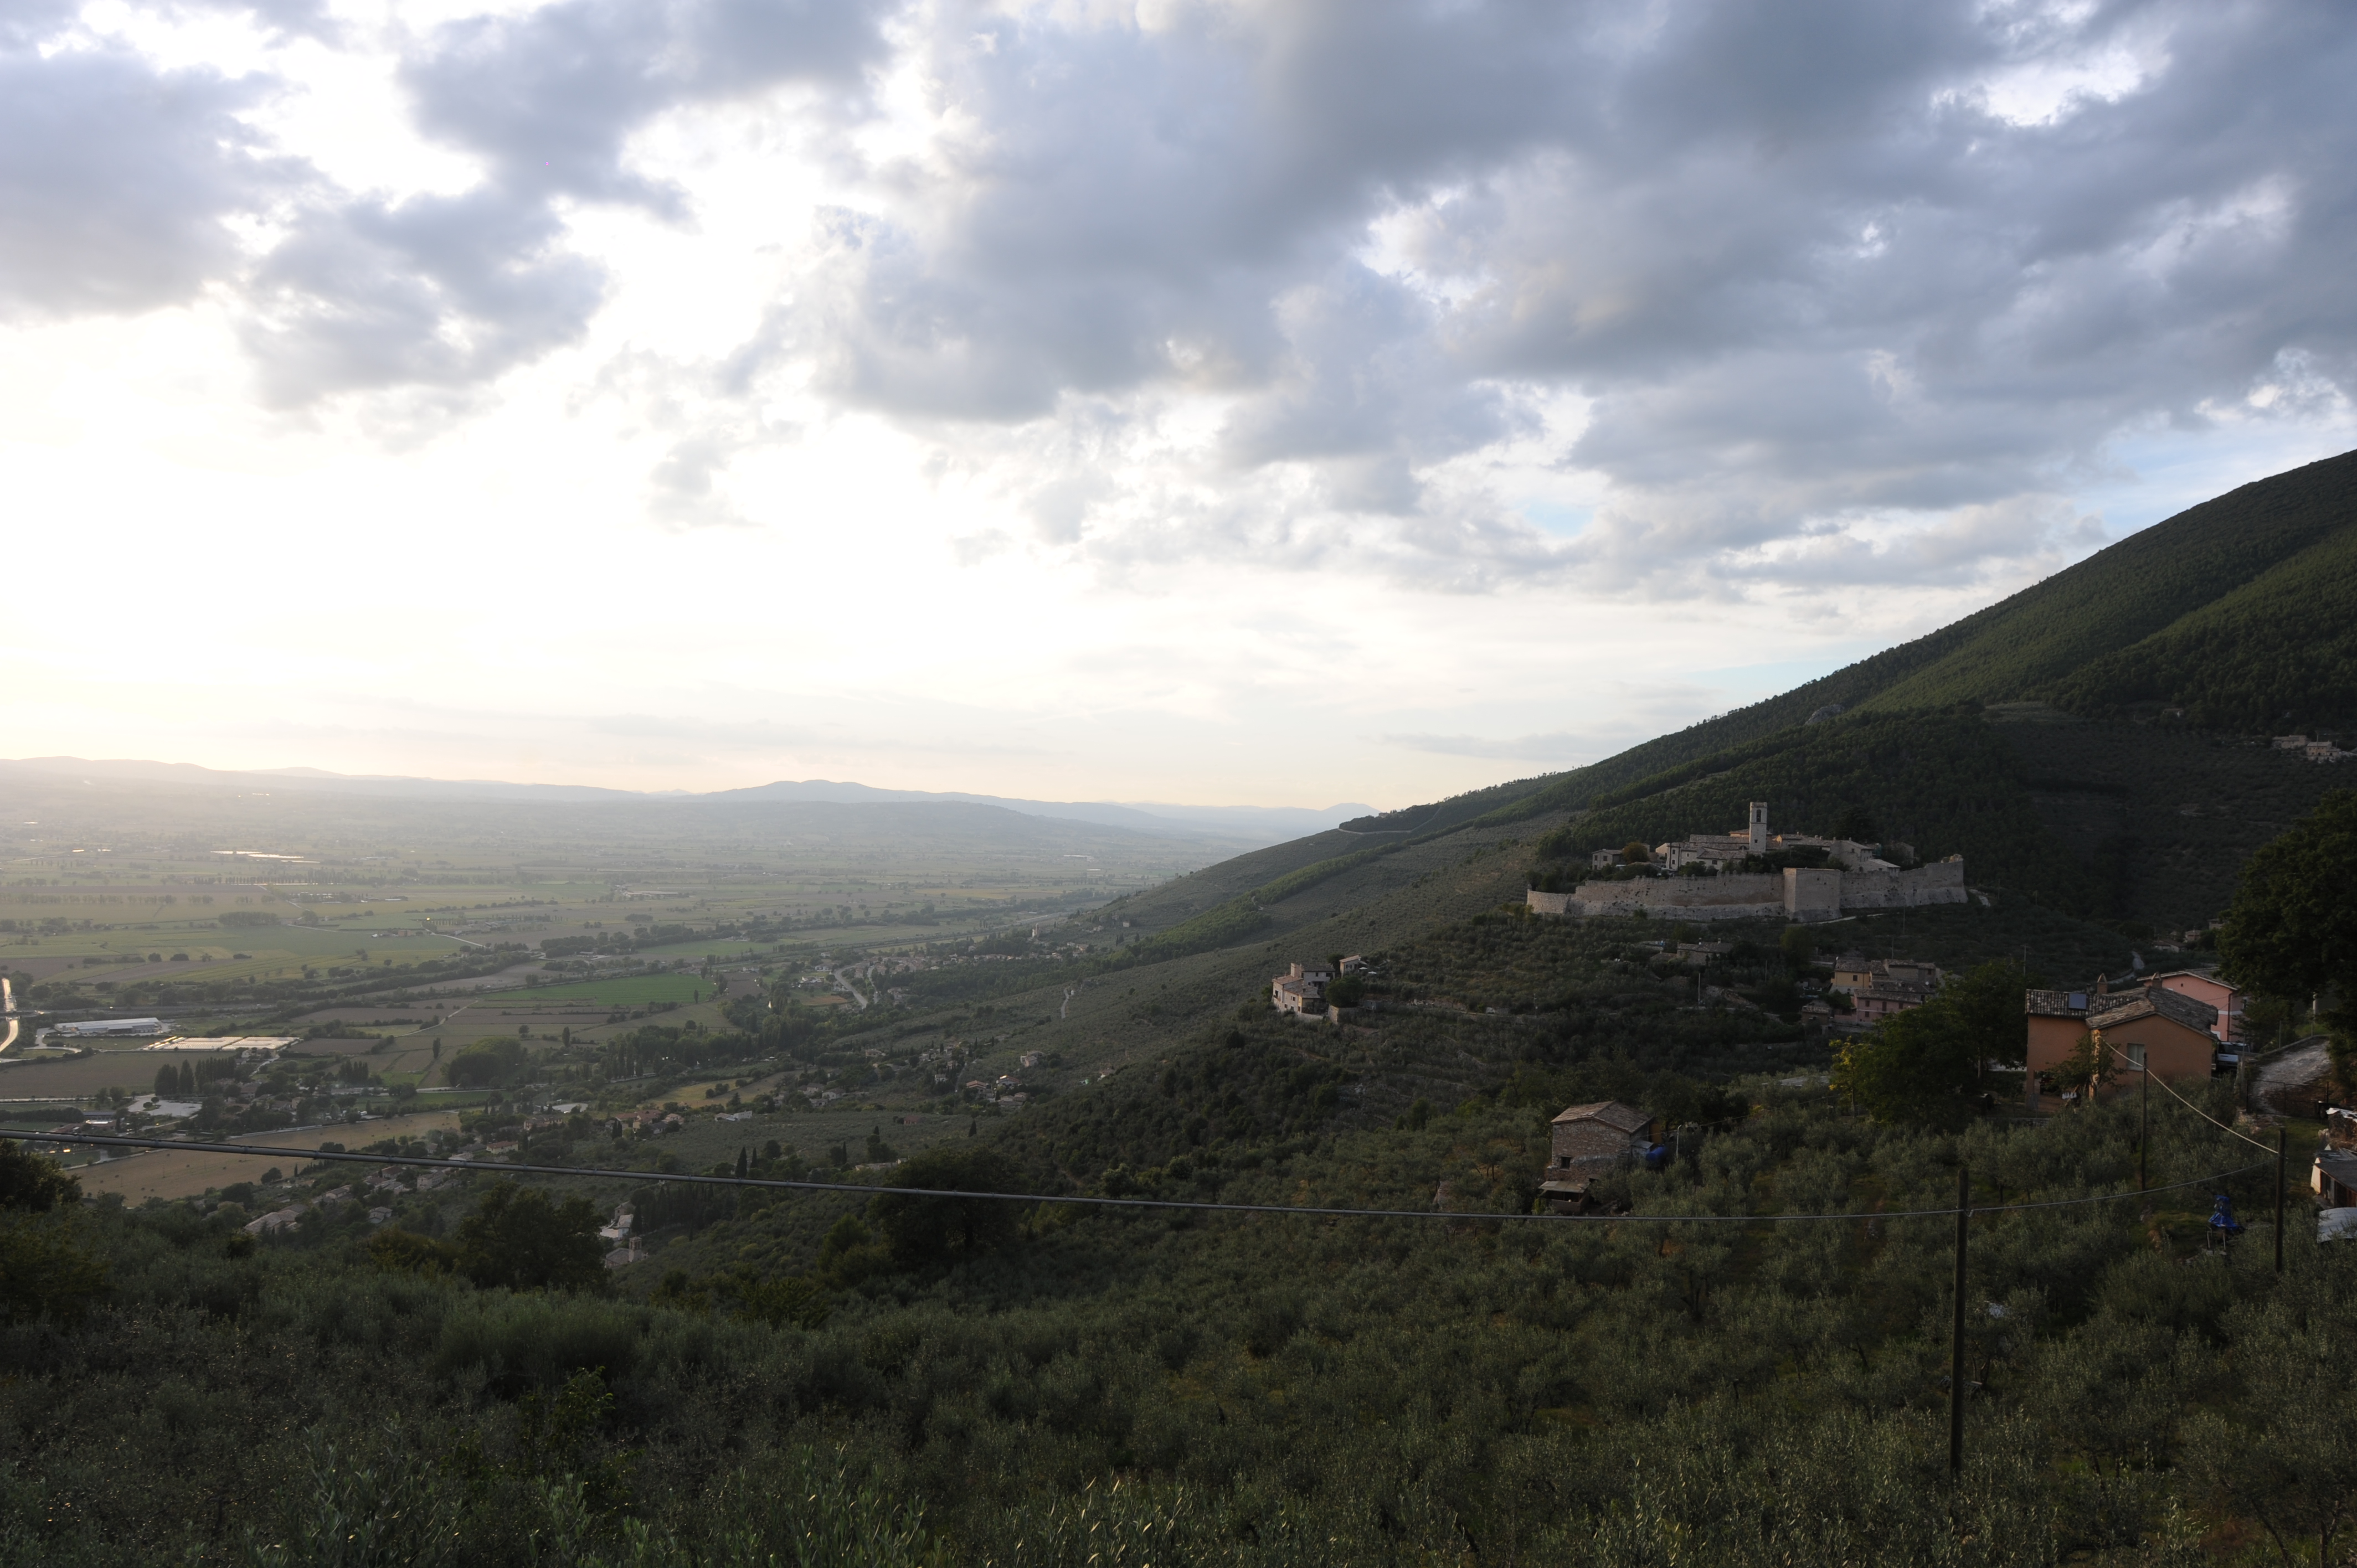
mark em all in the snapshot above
pixel 622 991
pixel 169 1173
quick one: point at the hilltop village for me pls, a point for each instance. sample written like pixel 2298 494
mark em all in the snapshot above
pixel 1753 874
pixel 2075 1048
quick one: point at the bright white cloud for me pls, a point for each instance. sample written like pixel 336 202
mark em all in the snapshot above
pixel 1218 402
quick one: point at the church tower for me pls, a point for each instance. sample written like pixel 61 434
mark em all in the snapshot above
pixel 1760 827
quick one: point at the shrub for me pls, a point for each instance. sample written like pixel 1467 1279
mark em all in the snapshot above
pixel 519 1239
pixel 919 1230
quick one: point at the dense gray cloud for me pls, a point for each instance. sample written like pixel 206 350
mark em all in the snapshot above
pixel 448 292
pixel 116 177
pixel 1919 305
pixel 1799 256
pixel 441 292
pixel 1808 267
pixel 1133 205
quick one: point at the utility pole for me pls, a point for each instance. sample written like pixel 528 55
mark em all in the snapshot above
pixel 2144 1115
pixel 1956 1351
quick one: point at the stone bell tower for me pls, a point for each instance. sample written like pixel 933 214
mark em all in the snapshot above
pixel 1760 827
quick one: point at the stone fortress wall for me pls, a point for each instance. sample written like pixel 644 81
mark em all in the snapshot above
pixel 1796 894
pixel 1733 898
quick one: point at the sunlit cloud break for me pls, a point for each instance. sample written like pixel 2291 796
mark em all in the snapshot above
pixel 1201 402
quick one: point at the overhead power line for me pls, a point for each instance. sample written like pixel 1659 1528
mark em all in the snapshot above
pixel 260 1151
pixel 2145 1072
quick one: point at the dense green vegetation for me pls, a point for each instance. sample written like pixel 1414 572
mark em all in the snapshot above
pixel 2230 610
pixel 1226 1390
pixel 2277 653
pixel 912 1380
pixel 2292 933
pixel 2286 530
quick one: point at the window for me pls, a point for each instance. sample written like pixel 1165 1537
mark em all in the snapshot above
pixel 2135 1059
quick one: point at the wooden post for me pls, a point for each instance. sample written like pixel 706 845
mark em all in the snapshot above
pixel 2283 1151
pixel 1956 1351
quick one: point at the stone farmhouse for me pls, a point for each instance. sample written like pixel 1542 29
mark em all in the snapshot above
pixel 1301 989
pixel 1859 881
pixel 1591 1141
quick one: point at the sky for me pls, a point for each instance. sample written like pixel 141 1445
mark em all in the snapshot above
pixel 1212 403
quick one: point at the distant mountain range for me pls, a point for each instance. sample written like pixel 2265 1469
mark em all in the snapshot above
pixel 1256 824
pixel 1247 826
pixel 2096 741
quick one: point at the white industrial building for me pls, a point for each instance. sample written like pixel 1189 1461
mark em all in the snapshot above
pixel 89 1027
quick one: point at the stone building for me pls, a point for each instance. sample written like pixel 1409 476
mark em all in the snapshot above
pixel 1593 1140
pixel 1719 851
pixel 1858 879
pixel 1302 989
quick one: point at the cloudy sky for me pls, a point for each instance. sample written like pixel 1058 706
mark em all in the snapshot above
pixel 1204 402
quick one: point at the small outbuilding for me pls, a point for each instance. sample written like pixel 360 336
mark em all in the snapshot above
pixel 2334 1179
pixel 1593 1140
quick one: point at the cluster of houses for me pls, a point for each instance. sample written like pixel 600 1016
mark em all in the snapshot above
pixel 1005 1090
pixel 385 1183
pixel 2186 1024
pixel 1874 989
pixel 1719 851
pixel 653 1124
pixel 2314 750
pixel 2182 1025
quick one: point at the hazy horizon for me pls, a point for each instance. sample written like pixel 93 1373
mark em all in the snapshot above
pixel 1193 403
pixel 165 767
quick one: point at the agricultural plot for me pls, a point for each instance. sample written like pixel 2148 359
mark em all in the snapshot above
pixel 622 991
pixel 169 1174
pixel 79 1078
pixel 726 949
pixel 421 920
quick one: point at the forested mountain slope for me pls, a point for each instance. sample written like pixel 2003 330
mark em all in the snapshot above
pixel 2279 651
pixel 2292 532
pixel 2236 610
pixel 2233 615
